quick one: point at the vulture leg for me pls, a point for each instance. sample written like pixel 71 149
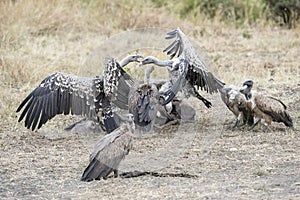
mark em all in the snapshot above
pixel 116 173
pixel 255 124
pixel 266 124
pixel 238 121
pixel 205 101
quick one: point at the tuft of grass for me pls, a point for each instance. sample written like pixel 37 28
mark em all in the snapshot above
pixel 259 172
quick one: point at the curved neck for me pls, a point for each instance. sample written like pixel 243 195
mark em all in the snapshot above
pixel 148 71
pixel 125 61
pixel 163 63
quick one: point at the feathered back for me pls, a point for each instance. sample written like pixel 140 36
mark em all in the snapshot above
pixel 142 104
pixel 108 152
pixel 274 108
pixel 117 83
pixel 197 73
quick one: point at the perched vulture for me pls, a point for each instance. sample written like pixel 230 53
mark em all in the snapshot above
pixel 62 93
pixel 187 73
pixel 269 109
pixel 109 152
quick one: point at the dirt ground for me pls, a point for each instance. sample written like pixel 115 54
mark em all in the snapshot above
pixel 199 160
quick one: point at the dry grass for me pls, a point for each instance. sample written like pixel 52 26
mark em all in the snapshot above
pixel 38 38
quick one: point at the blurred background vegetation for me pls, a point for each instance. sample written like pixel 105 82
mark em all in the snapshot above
pixel 239 12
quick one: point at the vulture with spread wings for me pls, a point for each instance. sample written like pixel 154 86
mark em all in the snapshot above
pixel 186 72
pixel 62 93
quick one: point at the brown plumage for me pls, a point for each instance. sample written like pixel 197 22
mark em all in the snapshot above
pixel 109 152
pixel 269 109
pixel 236 103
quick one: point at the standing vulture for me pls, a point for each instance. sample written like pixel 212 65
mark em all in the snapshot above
pixel 109 151
pixel 186 72
pixel 62 93
pixel 269 109
pixel 235 98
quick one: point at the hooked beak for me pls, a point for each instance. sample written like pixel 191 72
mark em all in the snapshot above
pixel 144 62
pixel 243 88
pixel 138 57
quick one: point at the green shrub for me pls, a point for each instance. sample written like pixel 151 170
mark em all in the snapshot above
pixel 285 12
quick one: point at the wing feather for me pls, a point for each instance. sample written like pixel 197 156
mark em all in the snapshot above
pixel 60 93
pixel 117 83
pixel 274 108
pixel 197 73
pixel 108 153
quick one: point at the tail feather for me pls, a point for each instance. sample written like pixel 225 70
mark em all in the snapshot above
pixel 281 117
pixel 95 171
pixel 287 120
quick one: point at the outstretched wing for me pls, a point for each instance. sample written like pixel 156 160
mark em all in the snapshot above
pixel 61 93
pixel 107 155
pixel 117 83
pixel 274 108
pixel 197 73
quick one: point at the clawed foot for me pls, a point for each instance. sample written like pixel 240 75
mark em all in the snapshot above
pixel 173 122
pixel 207 103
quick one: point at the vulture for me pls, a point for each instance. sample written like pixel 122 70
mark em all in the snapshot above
pixel 246 89
pixel 109 151
pixel 269 109
pixel 187 73
pixel 235 98
pixel 145 103
pixel 62 93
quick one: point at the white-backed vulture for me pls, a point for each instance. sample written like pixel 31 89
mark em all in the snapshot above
pixel 62 93
pixel 187 72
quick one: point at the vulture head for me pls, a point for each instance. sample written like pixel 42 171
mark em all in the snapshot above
pixel 149 60
pixel 246 89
